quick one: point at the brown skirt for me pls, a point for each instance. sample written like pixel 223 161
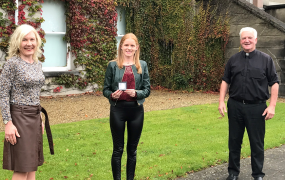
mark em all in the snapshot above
pixel 27 154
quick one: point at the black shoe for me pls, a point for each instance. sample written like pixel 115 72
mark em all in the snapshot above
pixel 258 178
pixel 232 177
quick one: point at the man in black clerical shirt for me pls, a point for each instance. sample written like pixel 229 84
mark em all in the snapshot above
pixel 248 75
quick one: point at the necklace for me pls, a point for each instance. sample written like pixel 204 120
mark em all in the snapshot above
pixel 129 62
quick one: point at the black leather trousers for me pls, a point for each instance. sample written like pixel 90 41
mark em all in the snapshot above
pixel 132 114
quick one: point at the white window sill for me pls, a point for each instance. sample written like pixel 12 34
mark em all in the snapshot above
pixel 55 32
pixel 55 69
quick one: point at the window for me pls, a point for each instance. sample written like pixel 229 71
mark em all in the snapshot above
pixel 121 24
pixel 57 57
pixel 55 49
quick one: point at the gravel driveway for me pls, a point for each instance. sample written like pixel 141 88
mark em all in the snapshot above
pixel 65 109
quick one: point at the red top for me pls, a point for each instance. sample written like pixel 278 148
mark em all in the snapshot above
pixel 131 84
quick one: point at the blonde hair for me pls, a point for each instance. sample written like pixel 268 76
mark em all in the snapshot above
pixel 120 57
pixel 17 38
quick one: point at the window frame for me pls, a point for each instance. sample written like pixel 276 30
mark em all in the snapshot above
pixel 68 53
pixel 119 17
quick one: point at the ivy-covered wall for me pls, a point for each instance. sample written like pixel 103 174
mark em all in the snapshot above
pixel 183 43
pixel 7 25
pixel 91 31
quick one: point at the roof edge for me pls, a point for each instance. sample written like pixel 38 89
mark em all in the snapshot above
pixel 261 14
pixel 280 6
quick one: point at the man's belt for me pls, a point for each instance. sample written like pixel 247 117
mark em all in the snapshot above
pixel 249 101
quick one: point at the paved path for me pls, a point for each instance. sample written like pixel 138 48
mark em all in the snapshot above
pixel 274 168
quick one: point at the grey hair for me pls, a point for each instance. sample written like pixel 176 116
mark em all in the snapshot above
pixel 250 29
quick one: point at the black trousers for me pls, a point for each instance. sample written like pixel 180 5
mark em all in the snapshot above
pixel 133 114
pixel 247 116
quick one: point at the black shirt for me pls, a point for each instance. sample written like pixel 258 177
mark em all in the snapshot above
pixel 249 75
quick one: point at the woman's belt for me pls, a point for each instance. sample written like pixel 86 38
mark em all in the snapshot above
pixel 48 130
pixel 37 110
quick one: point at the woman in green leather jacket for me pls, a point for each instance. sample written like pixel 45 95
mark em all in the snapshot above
pixel 126 101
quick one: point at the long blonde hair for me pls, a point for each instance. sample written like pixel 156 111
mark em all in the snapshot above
pixel 120 57
pixel 17 38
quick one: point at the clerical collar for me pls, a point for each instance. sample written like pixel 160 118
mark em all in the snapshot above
pixel 250 55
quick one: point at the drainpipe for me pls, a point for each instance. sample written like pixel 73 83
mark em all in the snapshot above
pixel 258 3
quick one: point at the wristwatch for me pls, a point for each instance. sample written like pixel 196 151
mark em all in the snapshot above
pixel 5 121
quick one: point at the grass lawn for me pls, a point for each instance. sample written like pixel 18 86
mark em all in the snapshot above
pixel 173 142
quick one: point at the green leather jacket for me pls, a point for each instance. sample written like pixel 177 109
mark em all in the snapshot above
pixel 114 75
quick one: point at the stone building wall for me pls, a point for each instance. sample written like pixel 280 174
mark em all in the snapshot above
pixel 2 54
pixel 271 32
pixel 271 40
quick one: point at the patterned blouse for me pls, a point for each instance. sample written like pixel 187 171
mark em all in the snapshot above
pixel 20 83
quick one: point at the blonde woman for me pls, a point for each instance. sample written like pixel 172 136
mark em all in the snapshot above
pixel 20 84
pixel 126 86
